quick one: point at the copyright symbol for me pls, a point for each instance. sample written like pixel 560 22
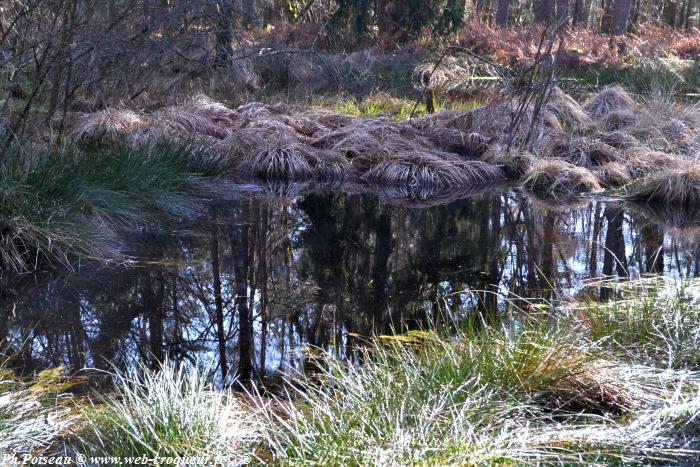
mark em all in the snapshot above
pixel 80 459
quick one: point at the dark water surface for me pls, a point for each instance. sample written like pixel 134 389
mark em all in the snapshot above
pixel 256 280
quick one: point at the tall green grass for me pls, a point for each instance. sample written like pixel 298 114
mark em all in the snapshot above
pixel 653 320
pixel 68 201
pixel 519 394
pixel 561 388
pixel 33 416
pixel 173 411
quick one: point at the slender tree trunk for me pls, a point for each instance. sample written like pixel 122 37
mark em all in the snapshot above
pixel 614 257
pixel 224 33
pixel 262 285
pixel 687 21
pixel 562 9
pixel 578 13
pixel 544 11
pixel 502 13
pixel 636 12
pixel 240 244
pixel 670 12
pixel 593 262
pixel 607 21
pixel 622 13
pixel 218 302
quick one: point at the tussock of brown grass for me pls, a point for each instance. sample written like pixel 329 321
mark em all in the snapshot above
pixel 471 145
pixel 641 162
pixel 617 120
pixel 677 187
pixel 583 151
pixel 421 170
pixel 608 142
pixel 567 110
pixel 618 139
pixel 602 386
pixel 613 174
pixel 279 163
pixel 552 176
pixel 107 126
pixel 514 165
pixel 180 123
pixel 610 99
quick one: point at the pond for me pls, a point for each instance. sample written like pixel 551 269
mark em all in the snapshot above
pixel 251 283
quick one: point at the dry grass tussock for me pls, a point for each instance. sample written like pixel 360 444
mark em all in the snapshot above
pixel 560 177
pixel 611 99
pixel 608 142
pixel 678 187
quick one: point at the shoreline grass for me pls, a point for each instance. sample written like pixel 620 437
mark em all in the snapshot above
pixel 75 202
pixel 169 412
pixel 580 387
pixel 609 142
pixel 125 168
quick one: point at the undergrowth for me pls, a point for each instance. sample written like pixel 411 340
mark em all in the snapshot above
pixel 70 201
pixel 584 384
pixel 174 412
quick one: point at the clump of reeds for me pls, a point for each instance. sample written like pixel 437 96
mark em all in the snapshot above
pixel 279 162
pixel 172 411
pixel 72 202
pixel 552 176
pixel 513 394
pixel 609 142
pixel 567 111
pixel 612 174
pixel 33 415
pixel 677 187
pixel 610 99
pixel 582 151
pixel 655 320
pixel 418 170
pixel 642 161
pixel 514 164
pixel 107 126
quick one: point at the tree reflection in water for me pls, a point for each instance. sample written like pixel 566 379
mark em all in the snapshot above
pixel 257 280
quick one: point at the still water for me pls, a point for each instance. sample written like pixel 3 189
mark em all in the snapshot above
pixel 253 282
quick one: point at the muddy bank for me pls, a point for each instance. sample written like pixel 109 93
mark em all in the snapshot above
pixel 641 151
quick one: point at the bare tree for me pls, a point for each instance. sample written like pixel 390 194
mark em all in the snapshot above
pixel 502 13
pixel 621 16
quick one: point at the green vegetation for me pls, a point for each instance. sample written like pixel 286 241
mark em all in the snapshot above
pixel 75 201
pixel 581 386
pixel 383 105
pixel 530 391
pixel 663 76
pixel 652 321
pixel 168 412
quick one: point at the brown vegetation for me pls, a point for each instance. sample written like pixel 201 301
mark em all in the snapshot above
pixel 678 187
pixel 576 149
